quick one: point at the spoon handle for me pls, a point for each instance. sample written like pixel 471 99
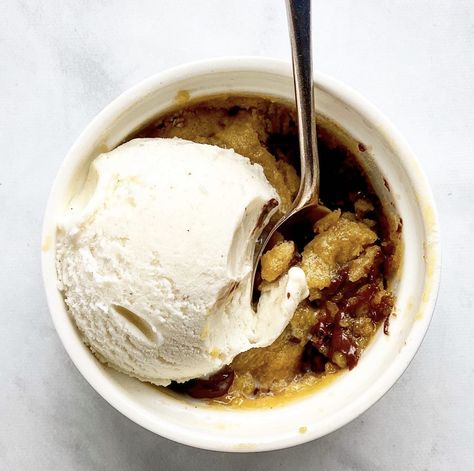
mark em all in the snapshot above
pixel 299 19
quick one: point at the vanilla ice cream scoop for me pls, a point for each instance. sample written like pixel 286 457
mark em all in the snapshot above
pixel 154 258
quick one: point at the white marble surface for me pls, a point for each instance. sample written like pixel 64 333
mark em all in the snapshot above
pixel 61 61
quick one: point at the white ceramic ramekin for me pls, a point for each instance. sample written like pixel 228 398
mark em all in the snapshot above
pixel 392 164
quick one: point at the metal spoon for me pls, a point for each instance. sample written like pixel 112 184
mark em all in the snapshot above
pixel 307 198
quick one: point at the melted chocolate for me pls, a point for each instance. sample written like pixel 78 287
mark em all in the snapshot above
pixel 327 334
pixel 342 341
pixel 267 207
pixel 312 359
pixel 215 386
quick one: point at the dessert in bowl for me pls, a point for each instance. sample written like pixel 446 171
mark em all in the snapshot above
pixel 362 267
